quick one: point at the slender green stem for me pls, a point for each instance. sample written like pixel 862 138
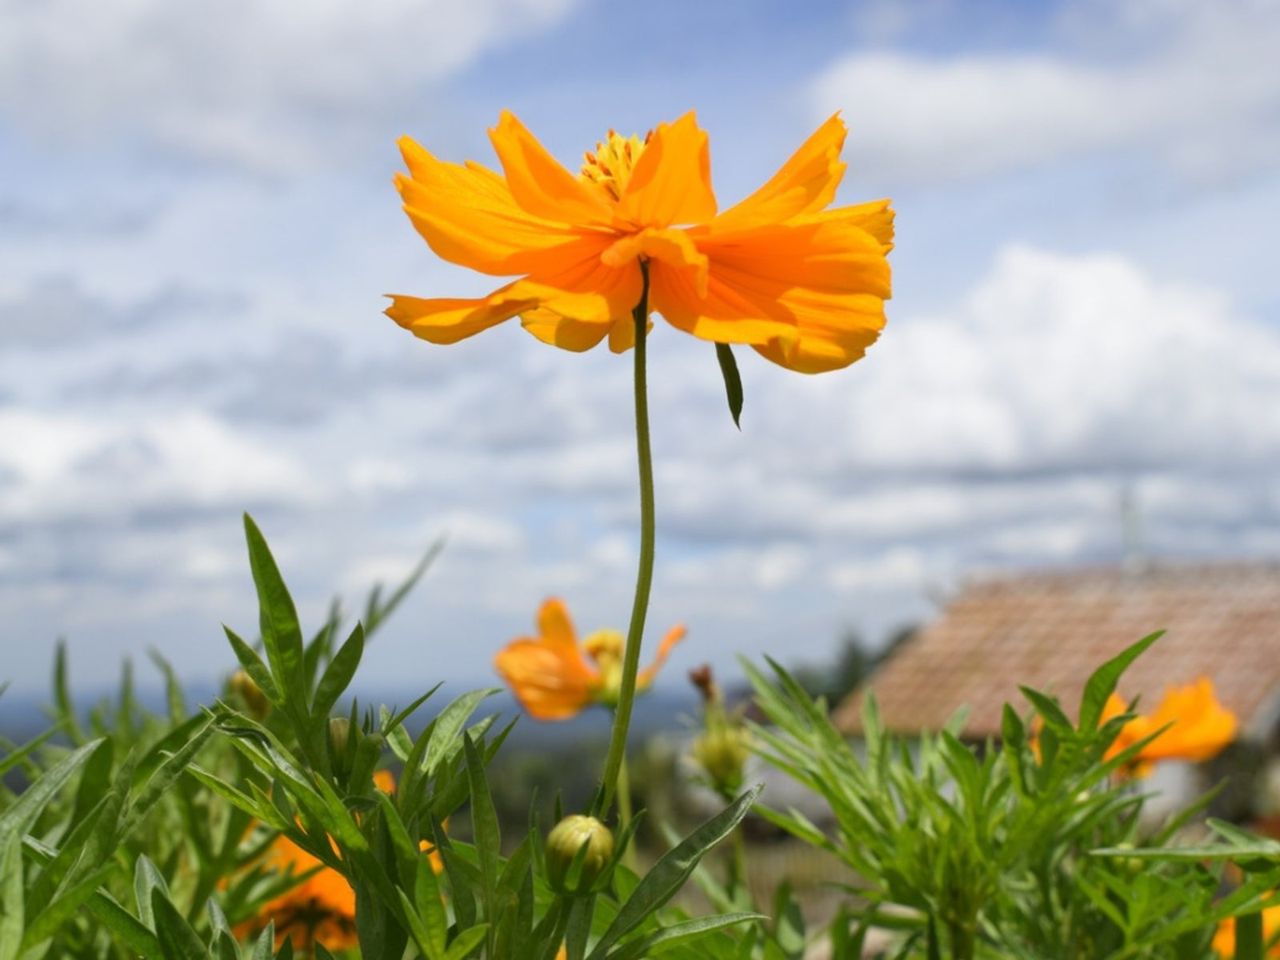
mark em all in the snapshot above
pixel 624 812
pixel 644 576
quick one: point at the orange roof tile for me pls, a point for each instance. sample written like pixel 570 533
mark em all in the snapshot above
pixel 1051 630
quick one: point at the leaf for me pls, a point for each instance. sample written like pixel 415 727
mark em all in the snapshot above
pixel 449 724
pixel 681 932
pixel 23 812
pixel 1103 682
pixel 467 941
pixel 338 674
pixel 484 823
pixel 376 612
pixel 11 905
pixel 177 940
pixel 1249 937
pixel 66 710
pixel 254 667
pixel 670 873
pixel 172 688
pixel 147 878
pixel 278 618
pixel 732 381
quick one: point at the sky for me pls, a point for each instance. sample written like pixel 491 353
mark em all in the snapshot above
pixel 198 225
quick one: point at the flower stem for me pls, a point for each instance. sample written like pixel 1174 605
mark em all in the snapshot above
pixel 644 576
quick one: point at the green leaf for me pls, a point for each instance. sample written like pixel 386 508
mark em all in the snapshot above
pixel 146 878
pixel 467 941
pixel 1103 682
pixel 278 618
pixel 678 933
pixel 377 612
pixel 444 736
pixel 732 381
pixel 66 709
pixel 670 873
pixel 254 667
pixel 1249 937
pixel 337 676
pixel 24 811
pixel 484 822
pixel 166 775
pixel 11 905
pixel 172 688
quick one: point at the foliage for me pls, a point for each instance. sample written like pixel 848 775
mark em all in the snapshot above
pixel 1033 848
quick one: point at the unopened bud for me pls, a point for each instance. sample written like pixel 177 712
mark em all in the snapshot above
pixel 340 753
pixel 250 694
pixel 722 754
pixel 564 842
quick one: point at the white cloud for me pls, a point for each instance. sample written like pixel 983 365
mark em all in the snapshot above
pixel 1195 89
pixel 270 85
pixel 62 465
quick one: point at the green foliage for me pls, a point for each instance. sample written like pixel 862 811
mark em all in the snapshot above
pixel 1019 849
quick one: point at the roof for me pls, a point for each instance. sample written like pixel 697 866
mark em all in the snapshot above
pixel 1051 630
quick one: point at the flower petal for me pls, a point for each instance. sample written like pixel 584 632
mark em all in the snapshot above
pixel 588 291
pixel 549 675
pixel 564 332
pixel 671 181
pixel 804 184
pixel 646 676
pixel 539 183
pixel 807 294
pixel 673 247
pixel 468 216
pixel 450 319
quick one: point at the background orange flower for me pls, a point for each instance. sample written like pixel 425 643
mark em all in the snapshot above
pixel 554 677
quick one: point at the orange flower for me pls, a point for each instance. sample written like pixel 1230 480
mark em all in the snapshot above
pixel 322 908
pixel 1224 941
pixel 552 678
pixel 1198 727
pixel 802 284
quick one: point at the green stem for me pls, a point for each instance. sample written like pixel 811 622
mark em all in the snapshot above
pixel 644 576
pixel 624 813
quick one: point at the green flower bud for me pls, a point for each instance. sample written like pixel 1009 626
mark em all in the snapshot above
pixel 722 754
pixel 255 701
pixel 563 843
pixel 340 753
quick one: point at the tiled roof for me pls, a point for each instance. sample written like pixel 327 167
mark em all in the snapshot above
pixel 1051 630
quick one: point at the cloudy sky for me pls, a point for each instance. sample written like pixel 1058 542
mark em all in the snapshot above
pixel 197 225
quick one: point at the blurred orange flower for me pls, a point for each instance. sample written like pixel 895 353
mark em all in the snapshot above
pixel 1224 941
pixel 554 677
pixel 1198 727
pixel 322 908
pixel 802 284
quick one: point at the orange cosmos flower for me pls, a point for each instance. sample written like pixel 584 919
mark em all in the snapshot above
pixel 1198 727
pixel 802 284
pixel 1224 940
pixel 552 678
pixel 322 908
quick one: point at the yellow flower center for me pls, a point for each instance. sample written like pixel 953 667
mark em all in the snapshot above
pixel 605 647
pixel 610 165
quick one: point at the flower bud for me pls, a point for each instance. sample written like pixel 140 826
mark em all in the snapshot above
pixel 563 843
pixel 722 754
pixel 255 701
pixel 340 753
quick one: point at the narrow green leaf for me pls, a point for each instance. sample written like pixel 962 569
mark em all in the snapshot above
pixel 377 612
pixel 278 619
pixel 24 811
pixel 669 937
pixel 66 708
pixel 254 667
pixel 1103 682
pixel 337 676
pixel 669 874
pixel 172 688
pixel 466 941
pixel 1249 937
pixel 732 381
pixel 484 823
pixel 12 910
pixel 444 736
